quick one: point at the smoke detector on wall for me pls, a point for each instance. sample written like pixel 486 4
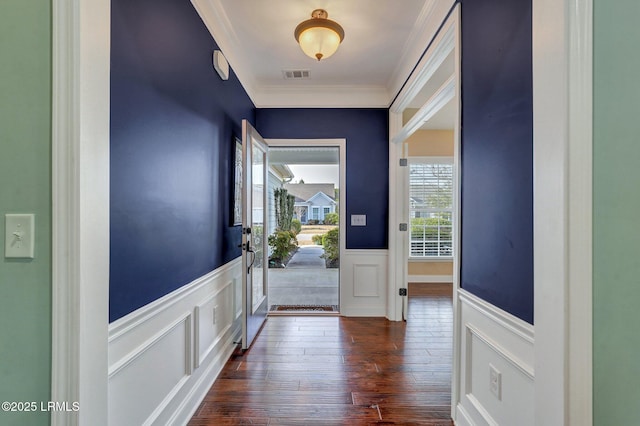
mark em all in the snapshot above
pixel 221 65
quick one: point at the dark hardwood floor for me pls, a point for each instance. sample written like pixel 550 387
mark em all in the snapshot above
pixel 309 370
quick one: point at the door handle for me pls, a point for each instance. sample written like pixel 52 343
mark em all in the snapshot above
pixel 247 247
pixel 253 257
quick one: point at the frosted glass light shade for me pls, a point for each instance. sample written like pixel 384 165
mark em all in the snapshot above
pixel 319 37
pixel 319 41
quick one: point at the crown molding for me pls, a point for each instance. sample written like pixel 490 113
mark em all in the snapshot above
pixel 217 22
pixel 425 29
pixel 322 97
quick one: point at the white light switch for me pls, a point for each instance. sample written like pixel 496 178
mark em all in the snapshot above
pixel 19 235
pixel 358 220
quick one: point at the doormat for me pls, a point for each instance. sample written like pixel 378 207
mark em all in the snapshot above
pixel 306 308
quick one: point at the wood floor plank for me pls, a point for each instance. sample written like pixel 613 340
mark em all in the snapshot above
pixel 277 397
pixel 340 371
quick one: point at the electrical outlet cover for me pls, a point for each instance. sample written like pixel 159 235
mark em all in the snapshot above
pixel 495 382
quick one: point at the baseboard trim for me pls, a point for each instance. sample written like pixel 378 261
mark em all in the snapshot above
pixel 481 410
pixel 430 278
pixel 462 417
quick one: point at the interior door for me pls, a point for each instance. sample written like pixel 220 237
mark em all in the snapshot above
pixel 254 233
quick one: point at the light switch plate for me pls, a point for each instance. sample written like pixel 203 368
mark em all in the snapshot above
pixel 19 235
pixel 358 220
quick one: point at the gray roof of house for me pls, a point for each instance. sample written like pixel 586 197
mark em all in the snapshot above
pixel 308 190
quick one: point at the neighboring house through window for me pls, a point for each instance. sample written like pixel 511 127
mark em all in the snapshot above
pixel 431 207
pixel 313 200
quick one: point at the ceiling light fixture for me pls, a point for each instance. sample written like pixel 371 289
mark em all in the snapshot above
pixel 319 37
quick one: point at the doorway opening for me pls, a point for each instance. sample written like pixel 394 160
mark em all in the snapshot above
pixel 424 158
pixel 305 235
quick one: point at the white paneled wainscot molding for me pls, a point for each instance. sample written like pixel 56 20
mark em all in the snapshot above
pixel 164 356
pixel 363 283
pixel 496 378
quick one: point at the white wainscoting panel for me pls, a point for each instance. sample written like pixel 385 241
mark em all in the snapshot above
pixel 366 280
pixel 164 356
pixel 492 338
pixel 214 318
pixel 363 283
pixel 169 350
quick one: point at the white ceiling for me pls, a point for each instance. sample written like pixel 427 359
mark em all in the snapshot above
pixel 375 35
pixel 383 42
pixel 304 155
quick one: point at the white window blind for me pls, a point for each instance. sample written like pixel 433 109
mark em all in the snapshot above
pixel 431 207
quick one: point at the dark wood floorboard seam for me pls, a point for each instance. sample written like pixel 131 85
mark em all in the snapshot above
pixel 340 371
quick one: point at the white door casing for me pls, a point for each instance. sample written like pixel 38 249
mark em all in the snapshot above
pixel 80 209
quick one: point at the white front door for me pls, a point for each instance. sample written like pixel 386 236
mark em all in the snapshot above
pixel 254 242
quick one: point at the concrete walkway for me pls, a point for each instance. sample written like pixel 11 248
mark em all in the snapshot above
pixel 305 280
pixel 307 257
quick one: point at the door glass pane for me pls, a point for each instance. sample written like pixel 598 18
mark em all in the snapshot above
pixel 257 226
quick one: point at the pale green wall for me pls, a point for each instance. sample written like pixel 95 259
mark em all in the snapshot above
pixel 616 212
pixel 25 187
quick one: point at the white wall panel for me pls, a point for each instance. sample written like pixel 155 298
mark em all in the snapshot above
pixel 363 282
pixel 492 338
pixel 366 280
pixel 213 319
pixel 142 381
pixel 164 356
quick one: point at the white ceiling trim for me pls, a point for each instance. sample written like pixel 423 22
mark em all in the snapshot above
pixel 444 44
pixel 322 97
pixel 215 18
pixel 427 24
pixel 413 46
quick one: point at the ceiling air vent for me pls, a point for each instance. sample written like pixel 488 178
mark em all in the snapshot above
pixel 295 74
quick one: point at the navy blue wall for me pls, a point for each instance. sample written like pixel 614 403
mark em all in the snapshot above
pixel 172 127
pixel 497 154
pixel 367 135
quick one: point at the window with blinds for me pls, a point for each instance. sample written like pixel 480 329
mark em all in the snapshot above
pixel 431 207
